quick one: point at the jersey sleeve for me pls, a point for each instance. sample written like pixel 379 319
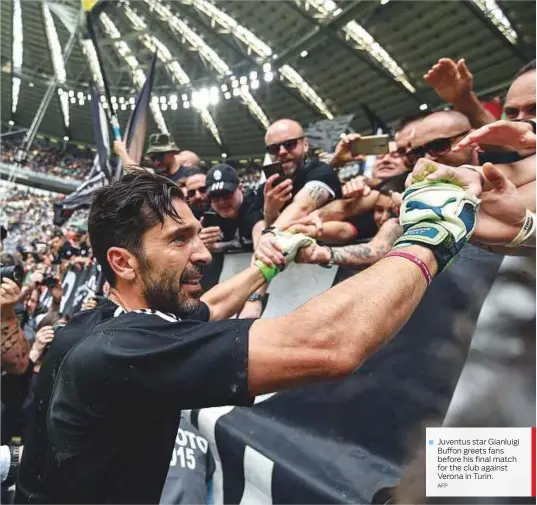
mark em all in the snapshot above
pixel 189 363
pixel 326 176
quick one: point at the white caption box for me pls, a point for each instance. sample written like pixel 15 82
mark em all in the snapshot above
pixel 468 462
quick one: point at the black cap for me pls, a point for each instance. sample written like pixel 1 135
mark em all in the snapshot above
pixel 222 177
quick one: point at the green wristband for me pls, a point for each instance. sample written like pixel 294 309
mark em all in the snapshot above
pixel 268 272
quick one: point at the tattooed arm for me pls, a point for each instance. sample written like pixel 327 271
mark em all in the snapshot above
pixel 311 197
pixel 358 254
pixel 15 348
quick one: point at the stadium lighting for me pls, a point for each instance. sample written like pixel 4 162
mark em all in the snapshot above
pixel 235 84
pixel 253 75
pixel 184 97
pixel 173 98
pixel 224 155
pixel 495 14
pixel 173 106
pixel 115 106
pixel 223 88
pixel 66 138
pixel 123 106
pixel 138 75
pixel 113 99
pixel 57 59
pixel 227 95
pixel 71 93
pixel 244 88
pixel 303 54
pixel 163 106
pixel 236 92
pixel 16 55
pixel 121 99
pixel 328 9
pixel 31 84
pixel 267 67
pixel 207 53
pixel 384 2
pixel 186 105
pixel 268 76
pixel 89 51
pixel 254 84
pixel 73 99
pixel 132 106
pixel 11 122
pixel 423 106
pixel 89 97
pixel 180 76
pixel 132 100
pixel 243 80
pixel 256 45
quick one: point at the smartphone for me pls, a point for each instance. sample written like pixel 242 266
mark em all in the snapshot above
pixel 210 218
pixel 374 144
pixel 275 168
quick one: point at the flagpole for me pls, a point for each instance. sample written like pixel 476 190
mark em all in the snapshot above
pixel 112 116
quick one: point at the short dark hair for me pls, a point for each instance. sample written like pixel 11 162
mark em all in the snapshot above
pixel 122 212
pixel 196 171
pixel 528 67
pixel 57 233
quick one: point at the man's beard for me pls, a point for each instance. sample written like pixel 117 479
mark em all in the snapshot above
pixel 163 291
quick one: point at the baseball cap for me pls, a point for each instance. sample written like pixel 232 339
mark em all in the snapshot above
pixel 222 177
pixel 161 143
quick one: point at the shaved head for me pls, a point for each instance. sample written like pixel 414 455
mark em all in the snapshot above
pixel 188 159
pixel 289 144
pixel 445 124
pixel 287 127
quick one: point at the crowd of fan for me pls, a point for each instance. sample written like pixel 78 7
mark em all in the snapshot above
pixel 59 159
pixel 354 223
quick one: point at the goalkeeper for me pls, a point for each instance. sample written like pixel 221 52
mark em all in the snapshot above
pixel 116 378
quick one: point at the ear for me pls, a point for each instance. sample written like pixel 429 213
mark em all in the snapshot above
pixel 240 187
pixel 306 145
pixel 123 263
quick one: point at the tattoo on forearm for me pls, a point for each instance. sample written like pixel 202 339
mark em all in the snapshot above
pixel 319 194
pixel 15 347
pixel 367 254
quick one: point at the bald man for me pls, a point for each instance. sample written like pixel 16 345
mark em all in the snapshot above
pixel 309 184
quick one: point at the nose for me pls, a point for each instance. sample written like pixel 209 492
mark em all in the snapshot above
pixel 525 115
pixel 282 151
pixel 200 253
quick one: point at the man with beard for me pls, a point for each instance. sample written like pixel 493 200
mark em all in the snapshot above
pixel 196 192
pixel 109 397
pixel 308 185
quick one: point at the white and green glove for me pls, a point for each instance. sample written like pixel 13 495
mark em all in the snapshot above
pixel 437 215
pixel 289 244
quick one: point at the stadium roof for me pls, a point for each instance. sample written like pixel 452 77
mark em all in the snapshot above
pixel 304 59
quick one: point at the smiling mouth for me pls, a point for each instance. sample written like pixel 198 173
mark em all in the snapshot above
pixel 192 282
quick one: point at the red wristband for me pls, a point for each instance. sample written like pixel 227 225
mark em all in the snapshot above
pixel 416 261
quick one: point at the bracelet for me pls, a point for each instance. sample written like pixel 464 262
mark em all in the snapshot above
pixel 331 261
pixel 421 264
pixel 527 230
pixel 270 229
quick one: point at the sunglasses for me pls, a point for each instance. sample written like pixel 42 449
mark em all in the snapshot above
pixel 191 193
pixel 436 147
pixel 220 195
pixel 288 145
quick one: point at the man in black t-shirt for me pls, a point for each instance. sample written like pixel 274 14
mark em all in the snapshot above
pixel 309 185
pixel 111 390
pixel 238 215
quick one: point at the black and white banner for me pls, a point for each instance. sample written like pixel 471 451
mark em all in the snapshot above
pixel 343 441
